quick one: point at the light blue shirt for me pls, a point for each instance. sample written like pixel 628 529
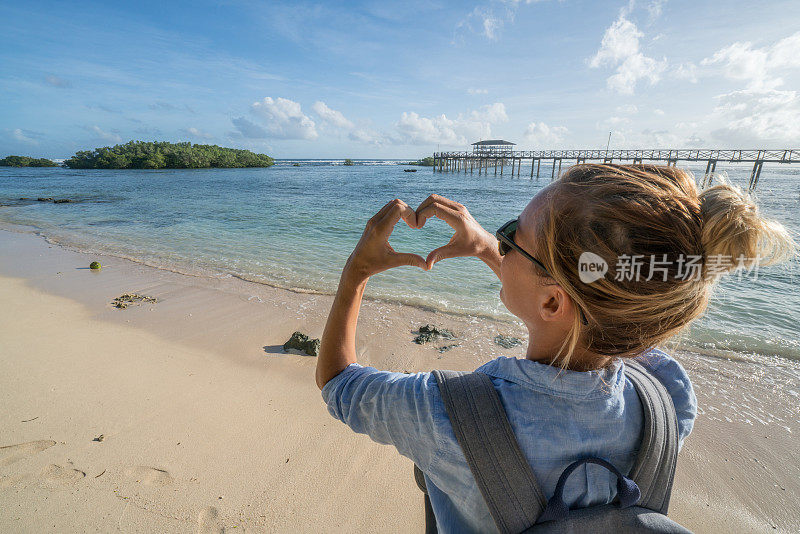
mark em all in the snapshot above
pixel 558 417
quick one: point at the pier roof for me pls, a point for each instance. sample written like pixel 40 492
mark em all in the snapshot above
pixel 493 142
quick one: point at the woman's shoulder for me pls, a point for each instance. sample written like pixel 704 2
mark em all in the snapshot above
pixel 675 378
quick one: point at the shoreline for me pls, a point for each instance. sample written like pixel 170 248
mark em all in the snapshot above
pixel 211 274
pixel 204 367
pixel 680 344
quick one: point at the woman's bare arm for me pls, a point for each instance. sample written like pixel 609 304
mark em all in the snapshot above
pixel 373 254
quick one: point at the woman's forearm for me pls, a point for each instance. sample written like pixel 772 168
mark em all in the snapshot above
pixel 338 346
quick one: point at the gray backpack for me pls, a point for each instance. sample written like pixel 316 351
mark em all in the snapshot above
pixel 508 485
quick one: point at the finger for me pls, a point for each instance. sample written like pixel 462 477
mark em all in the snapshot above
pixel 439 199
pixel 442 253
pixel 409 259
pixel 400 209
pixel 382 212
pixel 447 214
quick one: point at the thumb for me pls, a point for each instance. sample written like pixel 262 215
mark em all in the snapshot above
pixel 441 253
pixel 409 259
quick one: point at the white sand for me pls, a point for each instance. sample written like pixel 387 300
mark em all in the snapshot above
pixel 207 424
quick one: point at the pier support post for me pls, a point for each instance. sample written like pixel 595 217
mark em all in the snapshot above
pixel 559 168
pixel 533 164
pixel 754 175
pixel 709 176
pixel 538 167
pixel 553 170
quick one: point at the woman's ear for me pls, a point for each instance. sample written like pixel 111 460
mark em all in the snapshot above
pixel 556 304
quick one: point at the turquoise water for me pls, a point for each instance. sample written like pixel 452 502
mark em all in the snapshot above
pixel 295 227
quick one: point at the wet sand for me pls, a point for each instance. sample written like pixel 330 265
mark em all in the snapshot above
pixel 207 424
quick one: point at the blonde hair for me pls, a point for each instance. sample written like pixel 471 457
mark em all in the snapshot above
pixel 653 212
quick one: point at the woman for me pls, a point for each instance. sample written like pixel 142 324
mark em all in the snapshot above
pixel 664 244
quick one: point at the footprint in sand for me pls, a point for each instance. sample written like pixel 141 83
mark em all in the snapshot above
pixel 61 475
pixel 208 522
pixel 149 476
pixel 12 453
pixel 9 481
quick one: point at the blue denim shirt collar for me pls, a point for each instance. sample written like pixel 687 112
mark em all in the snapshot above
pixel 604 383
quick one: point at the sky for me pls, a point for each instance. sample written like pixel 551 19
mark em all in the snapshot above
pixel 378 79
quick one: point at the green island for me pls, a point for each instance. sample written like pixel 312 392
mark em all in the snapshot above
pixel 165 155
pixel 25 161
pixel 424 162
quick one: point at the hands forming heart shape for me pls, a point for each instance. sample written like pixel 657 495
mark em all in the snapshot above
pixel 374 254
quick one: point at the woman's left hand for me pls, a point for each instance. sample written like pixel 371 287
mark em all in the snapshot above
pixel 374 254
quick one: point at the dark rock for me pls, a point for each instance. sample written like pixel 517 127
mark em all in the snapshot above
pixel 125 300
pixel 429 333
pixel 301 342
pixel 24 198
pixel 507 342
pixel 445 348
pixel 62 201
pixel 44 199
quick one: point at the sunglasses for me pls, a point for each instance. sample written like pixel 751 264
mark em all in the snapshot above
pixel 505 242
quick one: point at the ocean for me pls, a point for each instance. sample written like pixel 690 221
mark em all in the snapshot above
pixel 294 226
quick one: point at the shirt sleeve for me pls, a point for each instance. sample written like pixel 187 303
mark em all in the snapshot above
pixel 672 374
pixel 391 408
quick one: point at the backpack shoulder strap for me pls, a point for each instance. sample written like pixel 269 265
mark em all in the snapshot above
pixel 654 468
pixel 503 475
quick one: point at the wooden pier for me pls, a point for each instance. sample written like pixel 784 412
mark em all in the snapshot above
pixel 501 156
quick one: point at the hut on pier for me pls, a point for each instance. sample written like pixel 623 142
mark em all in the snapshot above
pixel 493 147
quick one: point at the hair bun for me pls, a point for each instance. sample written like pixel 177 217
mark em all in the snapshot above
pixel 734 230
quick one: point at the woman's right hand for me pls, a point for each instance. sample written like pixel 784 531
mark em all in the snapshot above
pixel 469 239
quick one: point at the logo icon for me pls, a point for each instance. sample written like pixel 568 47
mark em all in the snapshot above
pixel 591 267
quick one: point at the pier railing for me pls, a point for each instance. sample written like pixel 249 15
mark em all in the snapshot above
pixel 470 161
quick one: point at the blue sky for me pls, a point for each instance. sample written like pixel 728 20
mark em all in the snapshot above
pixel 384 79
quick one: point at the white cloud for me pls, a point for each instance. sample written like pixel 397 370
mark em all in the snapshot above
pixel 418 130
pixel 620 41
pixel 759 67
pixel 488 20
pixel 686 71
pixel 331 116
pixel 25 136
pixel 247 129
pixel 104 135
pixel 633 69
pixel 284 119
pixel 659 112
pixel 627 108
pixel 620 48
pixel 491 113
pixel 544 136
pixel 655 8
pixel 612 122
pixel 194 132
pixel 472 91
pixel 364 135
pixel 757 117
pixel 465 128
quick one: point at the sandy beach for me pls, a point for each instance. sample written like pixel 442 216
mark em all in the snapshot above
pixel 186 415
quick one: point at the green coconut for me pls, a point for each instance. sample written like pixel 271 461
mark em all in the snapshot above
pixel 94 265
